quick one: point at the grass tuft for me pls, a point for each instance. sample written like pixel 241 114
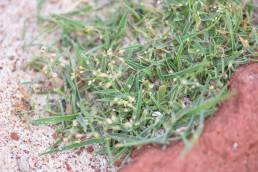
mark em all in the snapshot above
pixel 142 74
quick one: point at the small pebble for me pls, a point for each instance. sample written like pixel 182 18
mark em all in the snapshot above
pixel 235 146
pixel 23 164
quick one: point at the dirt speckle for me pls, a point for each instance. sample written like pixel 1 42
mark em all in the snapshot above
pixel 90 149
pixel 118 163
pixel 55 135
pixel 68 167
pixel 14 136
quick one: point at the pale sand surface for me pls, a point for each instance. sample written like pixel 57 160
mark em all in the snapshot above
pixel 21 143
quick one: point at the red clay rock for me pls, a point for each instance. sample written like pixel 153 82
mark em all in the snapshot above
pixel 229 142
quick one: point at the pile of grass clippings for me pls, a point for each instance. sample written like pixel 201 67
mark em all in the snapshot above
pixel 141 74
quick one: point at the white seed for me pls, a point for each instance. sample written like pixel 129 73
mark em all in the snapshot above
pixel 109 121
pixel 156 114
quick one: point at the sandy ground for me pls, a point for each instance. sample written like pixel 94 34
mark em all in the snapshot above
pixel 21 143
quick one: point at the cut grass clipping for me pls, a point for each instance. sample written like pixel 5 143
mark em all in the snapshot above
pixel 131 74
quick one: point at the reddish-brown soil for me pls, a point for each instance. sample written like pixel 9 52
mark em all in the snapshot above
pixel 229 142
